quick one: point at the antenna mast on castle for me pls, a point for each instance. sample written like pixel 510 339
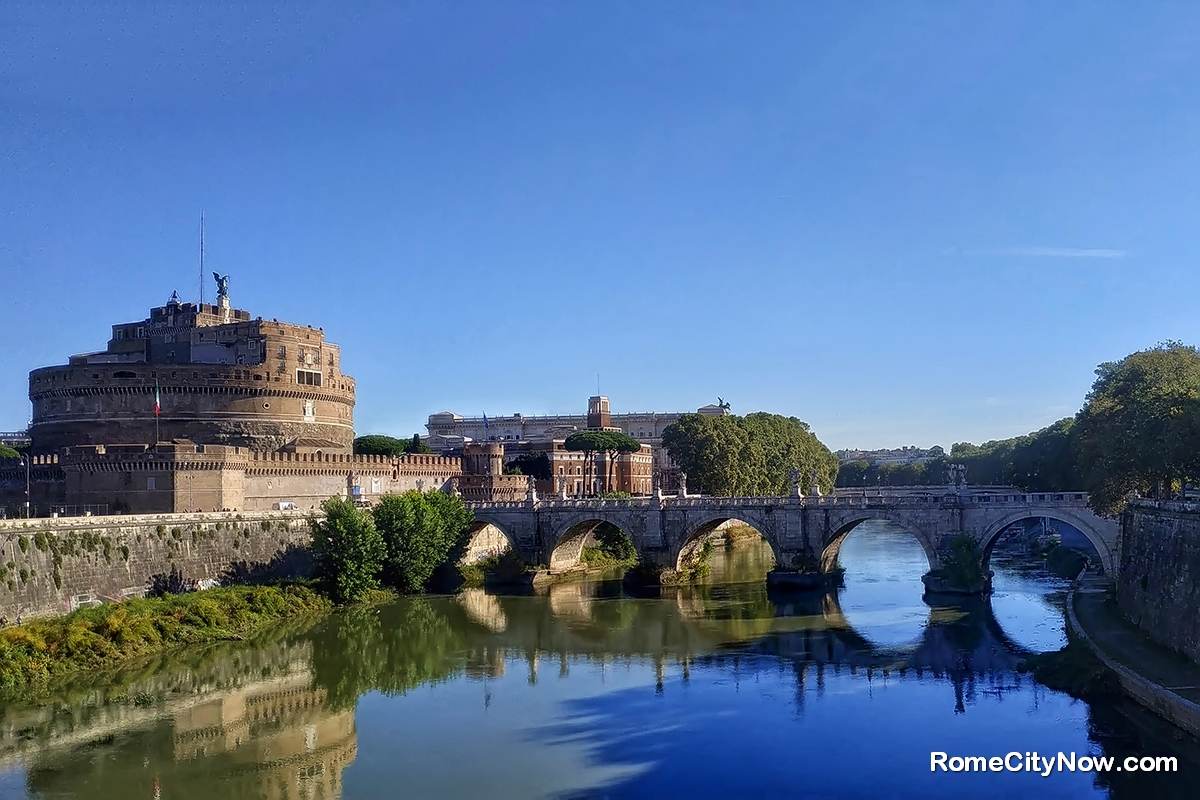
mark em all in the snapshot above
pixel 201 256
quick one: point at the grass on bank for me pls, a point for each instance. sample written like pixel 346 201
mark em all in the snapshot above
pixel 34 655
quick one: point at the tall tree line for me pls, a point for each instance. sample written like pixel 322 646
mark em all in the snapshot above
pixel 1138 433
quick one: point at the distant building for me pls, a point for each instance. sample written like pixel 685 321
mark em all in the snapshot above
pixel 449 432
pixel 899 455
pixel 15 438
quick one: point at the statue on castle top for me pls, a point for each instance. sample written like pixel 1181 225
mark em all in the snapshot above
pixel 174 301
pixel 222 285
pixel 721 404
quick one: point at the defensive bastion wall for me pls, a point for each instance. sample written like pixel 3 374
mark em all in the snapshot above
pixel 179 478
pixel 53 566
pixel 1158 587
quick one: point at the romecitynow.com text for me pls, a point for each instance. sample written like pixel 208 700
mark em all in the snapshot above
pixel 1045 765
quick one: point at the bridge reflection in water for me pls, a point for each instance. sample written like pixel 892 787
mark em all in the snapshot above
pixel 276 720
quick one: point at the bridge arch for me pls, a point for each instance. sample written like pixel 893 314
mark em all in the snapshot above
pixel 569 536
pixel 846 526
pixel 486 538
pixel 704 526
pixel 1094 529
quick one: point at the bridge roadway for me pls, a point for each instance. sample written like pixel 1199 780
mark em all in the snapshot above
pixel 802 530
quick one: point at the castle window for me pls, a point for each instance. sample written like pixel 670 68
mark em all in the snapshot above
pixel 282 351
pixel 149 484
pixel 141 333
pixel 308 377
pixel 120 334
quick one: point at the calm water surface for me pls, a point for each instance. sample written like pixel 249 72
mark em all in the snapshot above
pixel 711 691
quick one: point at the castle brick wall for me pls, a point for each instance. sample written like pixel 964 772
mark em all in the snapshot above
pixel 308 479
pixel 246 406
pixel 52 566
pixel 182 478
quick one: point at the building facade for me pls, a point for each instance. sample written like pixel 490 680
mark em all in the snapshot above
pixel 448 432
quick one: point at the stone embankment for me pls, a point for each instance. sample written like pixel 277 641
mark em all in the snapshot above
pixel 1158 587
pixel 53 566
pixel 1146 627
pixel 1156 677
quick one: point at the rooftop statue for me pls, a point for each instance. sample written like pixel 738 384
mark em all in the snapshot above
pixel 222 285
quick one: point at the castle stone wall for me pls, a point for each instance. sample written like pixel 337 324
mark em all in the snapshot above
pixel 52 566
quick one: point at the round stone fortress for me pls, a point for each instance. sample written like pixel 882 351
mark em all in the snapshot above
pixel 220 378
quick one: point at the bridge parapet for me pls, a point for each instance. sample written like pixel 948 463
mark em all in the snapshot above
pixel 901 498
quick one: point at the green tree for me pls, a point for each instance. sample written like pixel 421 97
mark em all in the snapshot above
pixel 1139 428
pixel 379 445
pixel 417 447
pixel 8 452
pixel 349 550
pixel 962 563
pixel 611 443
pixel 750 455
pixel 422 531
pixel 853 473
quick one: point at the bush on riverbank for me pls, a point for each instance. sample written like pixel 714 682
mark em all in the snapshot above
pixel 736 535
pixel 613 548
pixel 962 565
pixel 37 653
pixel 1065 562
pixel 348 548
pixel 505 568
pixel 423 531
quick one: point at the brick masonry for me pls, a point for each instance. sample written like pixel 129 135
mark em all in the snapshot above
pixel 53 566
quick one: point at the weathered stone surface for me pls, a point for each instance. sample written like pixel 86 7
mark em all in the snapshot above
pixel 52 566
pixel 805 533
pixel 1159 584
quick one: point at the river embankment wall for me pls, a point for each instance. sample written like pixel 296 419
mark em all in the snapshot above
pixel 53 566
pixel 1158 585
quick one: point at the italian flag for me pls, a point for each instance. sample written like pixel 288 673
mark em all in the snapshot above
pixel 157 402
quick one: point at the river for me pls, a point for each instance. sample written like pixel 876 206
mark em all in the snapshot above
pixel 710 691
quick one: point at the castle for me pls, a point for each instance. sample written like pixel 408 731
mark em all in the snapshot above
pixel 201 408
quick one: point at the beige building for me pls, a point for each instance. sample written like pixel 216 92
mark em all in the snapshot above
pixel 448 432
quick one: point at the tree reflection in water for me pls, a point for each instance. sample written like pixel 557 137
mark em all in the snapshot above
pixel 259 723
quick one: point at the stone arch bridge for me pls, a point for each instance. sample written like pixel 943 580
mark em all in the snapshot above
pixel 802 530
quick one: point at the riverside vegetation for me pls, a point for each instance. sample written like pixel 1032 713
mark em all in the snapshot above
pixel 398 545
pixel 36 655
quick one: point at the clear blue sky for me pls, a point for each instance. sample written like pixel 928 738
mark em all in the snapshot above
pixel 905 223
